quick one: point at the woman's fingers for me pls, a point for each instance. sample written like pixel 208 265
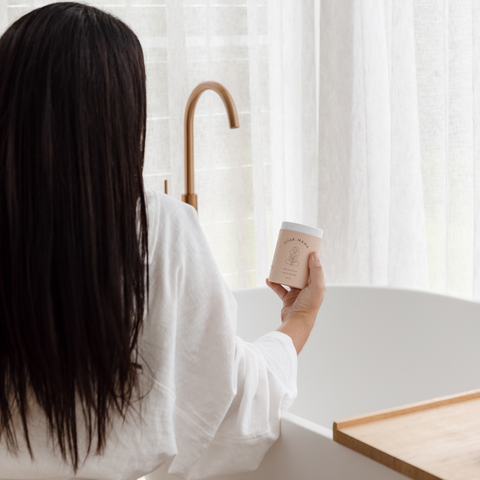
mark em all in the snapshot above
pixel 277 288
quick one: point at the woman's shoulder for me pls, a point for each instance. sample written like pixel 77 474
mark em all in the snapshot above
pixel 167 210
pixel 170 220
pixel 160 204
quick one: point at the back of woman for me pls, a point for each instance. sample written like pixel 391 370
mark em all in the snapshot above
pixel 71 198
pixel 117 332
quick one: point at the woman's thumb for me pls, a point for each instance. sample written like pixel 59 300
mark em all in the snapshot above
pixel 316 271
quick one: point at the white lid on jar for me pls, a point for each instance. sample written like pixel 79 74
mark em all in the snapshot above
pixel 298 227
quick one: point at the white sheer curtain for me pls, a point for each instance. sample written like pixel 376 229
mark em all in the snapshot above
pixel 371 193
pixel 360 117
pixel 247 180
pixel 399 137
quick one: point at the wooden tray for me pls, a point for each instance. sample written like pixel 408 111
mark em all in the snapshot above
pixel 434 440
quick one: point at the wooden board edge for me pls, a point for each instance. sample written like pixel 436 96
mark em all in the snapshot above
pixel 381 457
pixel 406 409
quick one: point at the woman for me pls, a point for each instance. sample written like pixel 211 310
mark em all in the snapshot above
pixel 117 348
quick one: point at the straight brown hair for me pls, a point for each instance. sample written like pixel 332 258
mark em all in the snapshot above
pixel 73 224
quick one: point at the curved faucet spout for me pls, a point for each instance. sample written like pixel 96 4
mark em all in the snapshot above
pixel 190 197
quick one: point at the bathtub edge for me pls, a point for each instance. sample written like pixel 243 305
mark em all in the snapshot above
pixel 308 425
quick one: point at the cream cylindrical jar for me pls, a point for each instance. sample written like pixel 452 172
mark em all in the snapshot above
pixel 294 245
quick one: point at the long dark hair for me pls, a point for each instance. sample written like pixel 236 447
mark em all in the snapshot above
pixel 73 225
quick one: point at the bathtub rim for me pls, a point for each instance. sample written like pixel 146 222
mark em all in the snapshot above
pixel 380 288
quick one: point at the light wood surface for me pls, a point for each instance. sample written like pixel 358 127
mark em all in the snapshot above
pixel 434 440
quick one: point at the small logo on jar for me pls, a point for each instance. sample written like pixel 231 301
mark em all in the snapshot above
pixel 293 257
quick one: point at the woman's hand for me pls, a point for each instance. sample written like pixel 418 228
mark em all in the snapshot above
pixel 300 307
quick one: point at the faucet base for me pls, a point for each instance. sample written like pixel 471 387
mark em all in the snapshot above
pixel 191 199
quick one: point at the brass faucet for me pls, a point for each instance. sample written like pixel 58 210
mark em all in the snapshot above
pixel 190 197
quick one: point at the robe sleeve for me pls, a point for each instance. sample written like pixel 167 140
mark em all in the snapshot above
pixel 229 393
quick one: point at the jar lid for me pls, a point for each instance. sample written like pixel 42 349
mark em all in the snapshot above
pixel 298 227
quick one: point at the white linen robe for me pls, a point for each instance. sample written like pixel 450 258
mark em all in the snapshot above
pixel 213 402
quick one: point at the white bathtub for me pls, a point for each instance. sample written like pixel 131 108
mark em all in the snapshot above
pixel 372 348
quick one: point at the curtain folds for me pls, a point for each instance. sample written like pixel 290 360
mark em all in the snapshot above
pixel 399 143
pixel 371 194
